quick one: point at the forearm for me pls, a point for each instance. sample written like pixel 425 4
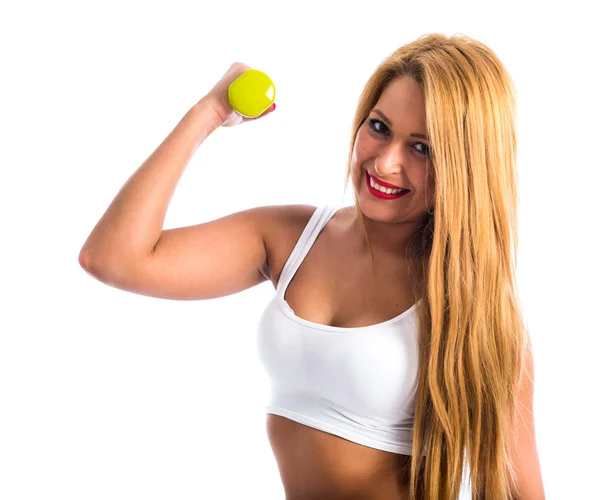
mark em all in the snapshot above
pixel 132 224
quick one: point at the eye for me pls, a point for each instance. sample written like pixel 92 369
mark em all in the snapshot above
pixel 373 122
pixel 425 150
pixel 373 126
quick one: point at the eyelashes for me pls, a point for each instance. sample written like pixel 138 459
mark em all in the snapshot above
pixel 374 121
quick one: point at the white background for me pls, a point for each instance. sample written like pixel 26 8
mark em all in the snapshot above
pixel 109 395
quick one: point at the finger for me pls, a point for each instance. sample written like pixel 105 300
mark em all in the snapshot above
pixel 269 110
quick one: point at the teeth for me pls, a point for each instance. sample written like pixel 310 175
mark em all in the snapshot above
pixel 374 185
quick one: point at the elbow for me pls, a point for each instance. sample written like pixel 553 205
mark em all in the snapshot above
pixel 84 260
pixel 90 264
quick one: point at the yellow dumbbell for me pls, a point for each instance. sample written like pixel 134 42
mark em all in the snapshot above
pixel 251 93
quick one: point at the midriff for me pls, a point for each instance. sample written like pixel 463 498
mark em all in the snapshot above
pixel 315 465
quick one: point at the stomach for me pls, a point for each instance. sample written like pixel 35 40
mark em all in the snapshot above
pixel 316 465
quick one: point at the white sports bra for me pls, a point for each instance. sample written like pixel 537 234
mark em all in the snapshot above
pixel 357 383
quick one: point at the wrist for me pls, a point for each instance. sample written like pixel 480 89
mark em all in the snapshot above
pixel 208 108
pixel 201 120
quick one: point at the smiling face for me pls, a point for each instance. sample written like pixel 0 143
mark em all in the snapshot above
pixel 390 147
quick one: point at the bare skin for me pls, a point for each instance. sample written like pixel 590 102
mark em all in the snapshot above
pixel 334 286
pixel 129 249
pixel 314 464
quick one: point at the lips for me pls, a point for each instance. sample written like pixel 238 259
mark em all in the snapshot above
pixel 383 196
pixel 385 184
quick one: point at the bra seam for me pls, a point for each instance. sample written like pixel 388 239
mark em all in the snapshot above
pixel 283 306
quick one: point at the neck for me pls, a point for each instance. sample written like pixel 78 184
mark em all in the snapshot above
pixel 388 239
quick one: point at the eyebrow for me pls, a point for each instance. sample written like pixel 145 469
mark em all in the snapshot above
pixel 380 113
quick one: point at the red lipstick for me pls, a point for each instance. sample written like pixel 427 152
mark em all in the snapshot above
pixel 385 184
pixel 381 195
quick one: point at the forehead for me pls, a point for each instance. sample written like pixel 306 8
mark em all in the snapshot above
pixel 403 99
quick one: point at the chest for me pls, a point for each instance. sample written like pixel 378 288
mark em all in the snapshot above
pixel 336 286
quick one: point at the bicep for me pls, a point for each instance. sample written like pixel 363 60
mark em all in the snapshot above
pixel 205 261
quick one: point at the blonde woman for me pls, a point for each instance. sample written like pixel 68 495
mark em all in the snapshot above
pixel 395 341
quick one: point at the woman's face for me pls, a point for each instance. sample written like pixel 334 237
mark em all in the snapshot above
pixel 389 150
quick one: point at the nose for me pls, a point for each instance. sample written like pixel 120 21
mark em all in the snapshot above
pixel 390 160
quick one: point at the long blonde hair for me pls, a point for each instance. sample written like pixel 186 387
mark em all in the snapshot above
pixel 473 338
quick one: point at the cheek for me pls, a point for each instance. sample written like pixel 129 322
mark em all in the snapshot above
pixel 356 174
pixel 360 153
pixel 357 160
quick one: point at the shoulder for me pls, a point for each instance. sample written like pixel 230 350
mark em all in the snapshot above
pixel 280 222
pixel 283 224
pixel 276 218
pixel 281 227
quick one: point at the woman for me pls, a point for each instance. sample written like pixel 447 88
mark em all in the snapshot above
pixel 396 331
